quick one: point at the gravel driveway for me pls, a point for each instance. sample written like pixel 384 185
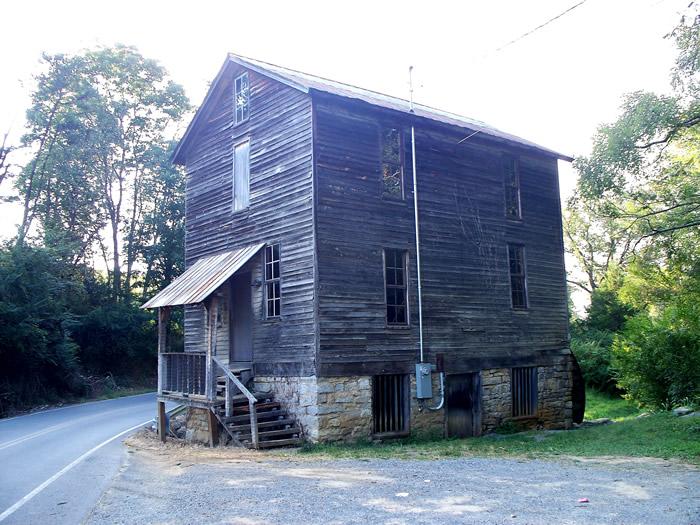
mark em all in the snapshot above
pixel 175 484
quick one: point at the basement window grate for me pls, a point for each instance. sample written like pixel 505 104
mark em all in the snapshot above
pixel 390 406
pixel 524 391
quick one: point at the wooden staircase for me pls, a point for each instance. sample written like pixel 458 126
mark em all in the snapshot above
pixel 276 428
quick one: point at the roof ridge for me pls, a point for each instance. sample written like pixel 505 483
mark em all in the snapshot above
pixel 325 79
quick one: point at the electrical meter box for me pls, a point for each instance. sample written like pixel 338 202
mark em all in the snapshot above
pixel 424 380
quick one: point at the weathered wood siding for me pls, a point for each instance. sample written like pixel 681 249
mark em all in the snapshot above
pixel 464 235
pixel 280 133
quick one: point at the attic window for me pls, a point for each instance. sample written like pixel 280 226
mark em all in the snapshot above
pixel 511 173
pixel 241 98
pixel 392 164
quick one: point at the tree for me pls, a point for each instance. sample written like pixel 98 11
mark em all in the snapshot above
pixel 5 164
pixel 99 127
pixel 164 227
pixel 639 190
pixel 634 229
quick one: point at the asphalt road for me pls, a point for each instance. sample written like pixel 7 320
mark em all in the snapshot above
pixel 55 464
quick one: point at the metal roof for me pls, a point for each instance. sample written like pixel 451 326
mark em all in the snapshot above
pixel 203 278
pixel 312 82
pixel 309 83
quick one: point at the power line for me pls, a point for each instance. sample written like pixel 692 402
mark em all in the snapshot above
pixel 524 35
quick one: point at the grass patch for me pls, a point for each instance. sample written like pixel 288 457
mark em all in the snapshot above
pixel 599 404
pixel 660 435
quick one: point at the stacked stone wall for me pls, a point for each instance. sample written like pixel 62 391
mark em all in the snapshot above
pixel 555 399
pixel 299 397
pixel 496 397
pixel 339 409
pixel 197 425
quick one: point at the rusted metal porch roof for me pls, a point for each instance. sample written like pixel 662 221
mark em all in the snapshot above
pixel 203 278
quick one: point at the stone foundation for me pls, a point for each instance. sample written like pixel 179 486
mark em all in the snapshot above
pixel 344 408
pixel 197 425
pixel 496 401
pixel 555 401
pixel 339 409
pixel 299 397
pixel 554 397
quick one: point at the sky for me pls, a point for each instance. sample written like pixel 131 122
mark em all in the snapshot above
pixel 553 87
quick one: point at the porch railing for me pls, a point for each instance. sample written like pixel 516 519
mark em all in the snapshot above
pixel 182 372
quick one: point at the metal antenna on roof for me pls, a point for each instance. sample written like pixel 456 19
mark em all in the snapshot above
pixel 415 214
pixel 410 87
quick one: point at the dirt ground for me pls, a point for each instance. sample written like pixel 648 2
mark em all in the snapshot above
pixel 173 483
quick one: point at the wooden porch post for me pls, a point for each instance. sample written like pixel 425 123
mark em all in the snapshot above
pixel 212 312
pixel 213 428
pixel 162 431
pixel 163 317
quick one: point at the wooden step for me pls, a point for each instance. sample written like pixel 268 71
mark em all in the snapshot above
pixel 296 442
pixel 239 400
pixel 263 424
pixel 260 407
pixel 270 433
pixel 261 416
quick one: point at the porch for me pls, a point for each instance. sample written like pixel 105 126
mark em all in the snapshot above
pixel 218 381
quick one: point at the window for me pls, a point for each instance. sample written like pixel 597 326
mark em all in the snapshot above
pixel 272 281
pixel 395 284
pixel 511 172
pixel 241 176
pixel 241 98
pixel 524 391
pixel 518 284
pixel 392 164
pixel 390 404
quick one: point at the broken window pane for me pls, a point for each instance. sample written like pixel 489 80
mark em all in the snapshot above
pixel 392 163
pixel 512 187
pixel 241 98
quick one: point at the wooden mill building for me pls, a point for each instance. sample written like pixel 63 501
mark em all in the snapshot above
pixel 301 289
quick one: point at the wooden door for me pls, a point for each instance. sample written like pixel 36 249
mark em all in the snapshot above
pixel 460 397
pixel 241 352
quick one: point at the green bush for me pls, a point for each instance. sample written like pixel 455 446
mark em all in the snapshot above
pixel 118 339
pixel 38 359
pixel 592 339
pixel 657 358
pixel 593 351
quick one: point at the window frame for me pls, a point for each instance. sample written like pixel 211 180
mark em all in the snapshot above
pixel 525 402
pixel 514 162
pixel 272 281
pixel 238 144
pixel 404 256
pixel 402 164
pixel 246 108
pixel 522 275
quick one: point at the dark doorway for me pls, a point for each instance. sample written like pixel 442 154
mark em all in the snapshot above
pixel 462 404
pixel 241 354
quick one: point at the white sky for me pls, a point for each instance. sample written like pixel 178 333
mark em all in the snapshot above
pixel 553 87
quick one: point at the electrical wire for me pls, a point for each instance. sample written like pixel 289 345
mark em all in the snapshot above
pixel 524 35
